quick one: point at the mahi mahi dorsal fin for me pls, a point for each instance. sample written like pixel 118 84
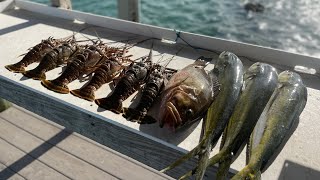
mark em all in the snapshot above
pixel 223 140
pixel 215 84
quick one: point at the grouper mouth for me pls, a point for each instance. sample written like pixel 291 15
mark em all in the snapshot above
pixel 172 115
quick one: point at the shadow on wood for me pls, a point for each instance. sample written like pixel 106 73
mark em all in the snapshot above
pixel 292 170
pixel 33 155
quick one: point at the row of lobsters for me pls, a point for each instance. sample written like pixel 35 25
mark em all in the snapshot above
pixel 258 107
pixel 104 63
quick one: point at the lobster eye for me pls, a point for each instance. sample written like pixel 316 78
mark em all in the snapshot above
pixel 189 112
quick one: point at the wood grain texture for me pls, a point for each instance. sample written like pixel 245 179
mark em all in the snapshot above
pixel 35 170
pixel 87 150
pixel 63 162
pixel 100 129
pixel 5 171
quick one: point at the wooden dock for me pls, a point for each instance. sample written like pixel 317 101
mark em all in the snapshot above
pixel 32 147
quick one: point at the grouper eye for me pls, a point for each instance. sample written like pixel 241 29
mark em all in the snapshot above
pixel 189 112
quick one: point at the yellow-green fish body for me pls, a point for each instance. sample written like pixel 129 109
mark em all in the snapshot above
pixel 260 82
pixel 275 123
pixel 229 70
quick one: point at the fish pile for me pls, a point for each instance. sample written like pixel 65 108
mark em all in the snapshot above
pixel 258 106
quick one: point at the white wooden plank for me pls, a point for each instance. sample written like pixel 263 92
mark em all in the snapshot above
pixel 4 5
pixel 26 165
pixel 139 146
pixel 89 151
pixel 53 157
pixel 5 172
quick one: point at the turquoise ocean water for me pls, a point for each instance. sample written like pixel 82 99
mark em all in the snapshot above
pixel 291 25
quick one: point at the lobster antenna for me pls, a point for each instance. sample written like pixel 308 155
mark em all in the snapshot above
pixel 97 35
pixel 170 59
pixel 124 40
pixel 142 41
pixel 88 39
pixel 151 51
pixel 159 60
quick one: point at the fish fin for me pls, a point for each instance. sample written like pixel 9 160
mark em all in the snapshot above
pixel 203 129
pixel 34 74
pixel 188 174
pixel 247 173
pixel 204 155
pixel 54 87
pixel 248 153
pixel 202 61
pixel 195 151
pixel 15 68
pixel 217 158
pixel 215 84
pixel 223 139
pixel 83 94
pixel 223 169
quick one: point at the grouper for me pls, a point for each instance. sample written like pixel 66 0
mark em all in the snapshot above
pixel 229 70
pixel 187 96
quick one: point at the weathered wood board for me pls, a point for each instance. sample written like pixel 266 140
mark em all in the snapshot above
pixel 61 154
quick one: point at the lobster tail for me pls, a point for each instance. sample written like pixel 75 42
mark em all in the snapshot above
pixel 135 115
pixel 17 68
pixel 52 85
pixel 110 103
pixel 35 74
pixel 86 93
pixel 131 114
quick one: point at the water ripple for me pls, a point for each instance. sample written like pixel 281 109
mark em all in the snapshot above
pixel 290 25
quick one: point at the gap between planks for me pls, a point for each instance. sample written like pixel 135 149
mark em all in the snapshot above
pixel 82 148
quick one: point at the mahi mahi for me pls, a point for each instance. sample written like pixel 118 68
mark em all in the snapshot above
pixel 260 82
pixel 229 70
pixel 275 124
